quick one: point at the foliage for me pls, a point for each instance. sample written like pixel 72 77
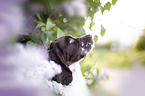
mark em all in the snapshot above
pixel 105 45
pixel 94 6
pixel 115 59
pixel 140 45
pixel 51 18
pixel 47 32
pixel 91 72
pixel 102 30
pixel 141 57
pixel 95 38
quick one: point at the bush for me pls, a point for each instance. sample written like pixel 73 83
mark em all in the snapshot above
pixel 140 45
pixel 141 57
pixel 105 45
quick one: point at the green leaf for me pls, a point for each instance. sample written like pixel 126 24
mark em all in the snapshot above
pixel 38 16
pixel 98 1
pixel 107 6
pixel 91 24
pixel 43 28
pixel 49 25
pixel 114 2
pixel 96 38
pixel 101 8
pixel 60 33
pixel 43 38
pixel 80 32
pixel 91 55
pixel 88 68
pixel 107 77
pixel 98 71
pixel 102 30
pixel 30 43
pixel 102 11
pixel 40 24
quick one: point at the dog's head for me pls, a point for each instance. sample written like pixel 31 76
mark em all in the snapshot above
pixel 67 50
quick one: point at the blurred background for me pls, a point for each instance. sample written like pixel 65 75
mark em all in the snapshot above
pixel 115 67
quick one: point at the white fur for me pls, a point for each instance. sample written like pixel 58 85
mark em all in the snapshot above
pixel 76 88
pixel 71 40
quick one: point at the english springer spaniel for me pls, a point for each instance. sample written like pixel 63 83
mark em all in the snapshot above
pixel 58 68
pixel 67 51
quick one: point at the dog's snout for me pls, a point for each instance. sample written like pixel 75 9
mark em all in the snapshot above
pixel 90 36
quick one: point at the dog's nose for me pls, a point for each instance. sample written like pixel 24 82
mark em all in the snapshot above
pixel 89 36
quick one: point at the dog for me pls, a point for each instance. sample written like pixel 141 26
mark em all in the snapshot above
pixel 60 69
pixel 68 51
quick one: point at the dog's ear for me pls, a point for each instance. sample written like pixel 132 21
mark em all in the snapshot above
pixel 57 54
pixel 65 77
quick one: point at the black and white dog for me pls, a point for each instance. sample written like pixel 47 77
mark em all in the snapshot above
pixel 67 51
pixel 58 68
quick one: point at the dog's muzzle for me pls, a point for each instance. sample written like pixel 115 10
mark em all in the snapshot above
pixel 86 42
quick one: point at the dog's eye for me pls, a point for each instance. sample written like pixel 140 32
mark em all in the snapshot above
pixel 71 40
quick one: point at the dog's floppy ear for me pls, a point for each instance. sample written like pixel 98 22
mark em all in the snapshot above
pixel 57 54
pixel 65 78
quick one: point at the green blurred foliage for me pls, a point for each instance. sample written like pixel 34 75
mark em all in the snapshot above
pixel 102 30
pixel 52 15
pixel 46 32
pixel 140 44
pixel 141 57
pixel 106 45
pixel 88 72
pixel 91 72
pixel 115 59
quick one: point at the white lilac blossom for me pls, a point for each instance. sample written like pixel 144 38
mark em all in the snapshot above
pixel 30 65
pixel 54 86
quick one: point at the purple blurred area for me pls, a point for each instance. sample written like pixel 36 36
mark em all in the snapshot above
pixel 12 62
pixel 16 18
pixel 23 91
pixel 12 24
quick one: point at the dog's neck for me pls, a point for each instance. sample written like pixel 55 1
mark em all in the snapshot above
pixel 73 66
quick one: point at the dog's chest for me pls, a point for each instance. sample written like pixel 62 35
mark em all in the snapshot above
pixel 76 72
pixel 78 86
pixel 75 68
